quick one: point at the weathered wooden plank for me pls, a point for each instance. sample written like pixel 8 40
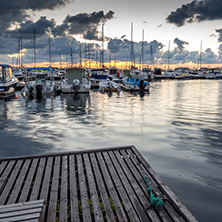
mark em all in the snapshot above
pixel 10 183
pixel 73 190
pixel 83 190
pixel 20 213
pixel 5 208
pixel 9 208
pixel 15 192
pixel 137 210
pixel 164 188
pixel 38 180
pixel 45 186
pixel 93 191
pixel 54 191
pixel 170 212
pixel 2 166
pixel 112 190
pixel 21 218
pixel 28 182
pixel 102 190
pixel 64 193
pixel 5 175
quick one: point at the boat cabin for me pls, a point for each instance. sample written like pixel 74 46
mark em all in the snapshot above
pixel 75 73
pixel 5 73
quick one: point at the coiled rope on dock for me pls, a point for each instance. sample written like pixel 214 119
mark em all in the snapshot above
pixel 154 201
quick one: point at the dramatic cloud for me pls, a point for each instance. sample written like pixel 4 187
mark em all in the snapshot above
pixel 220 34
pixel 203 10
pixel 42 27
pixel 180 44
pixel 16 11
pixel 83 23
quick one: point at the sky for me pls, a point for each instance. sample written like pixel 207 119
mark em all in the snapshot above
pixel 175 31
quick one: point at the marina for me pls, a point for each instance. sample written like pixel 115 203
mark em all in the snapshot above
pixel 96 185
pixel 110 115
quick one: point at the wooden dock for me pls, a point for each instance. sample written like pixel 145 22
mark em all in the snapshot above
pixel 91 185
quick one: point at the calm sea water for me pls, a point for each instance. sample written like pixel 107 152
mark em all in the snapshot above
pixel 177 128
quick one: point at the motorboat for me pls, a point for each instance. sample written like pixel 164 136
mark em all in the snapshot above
pixel 116 75
pixel 135 84
pixel 76 81
pixel 109 86
pixel 8 81
pixel 97 75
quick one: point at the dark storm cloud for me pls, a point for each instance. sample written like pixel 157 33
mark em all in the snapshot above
pixel 203 10
pixel 83 23
pixel 180 44
pixel 42 27
pixel 15 11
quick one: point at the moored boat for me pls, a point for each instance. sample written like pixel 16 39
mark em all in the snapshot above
pixel 109 86
pixel 135 84
pixel 96 76
pixel 8 81
pixel 75 81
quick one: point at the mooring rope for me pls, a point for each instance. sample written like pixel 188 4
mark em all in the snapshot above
pixel 154 202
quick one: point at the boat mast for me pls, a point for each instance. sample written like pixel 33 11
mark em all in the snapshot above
pixel 102 52
pixel 131 45
pixel 151 57
pixel 34 47
pixel 18 54
pixel 200 54
pixel 142 53
pixel 168 58
pixel 21 50
pixel 80 55
pixel 71 57
pixel 60 62
pixel 50 55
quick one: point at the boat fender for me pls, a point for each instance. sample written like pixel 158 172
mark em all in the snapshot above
pixel 118 74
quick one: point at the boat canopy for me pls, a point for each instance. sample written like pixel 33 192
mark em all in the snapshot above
pixel 5 66
pixel 39 68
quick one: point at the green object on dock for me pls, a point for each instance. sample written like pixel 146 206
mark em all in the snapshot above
pixel 154 201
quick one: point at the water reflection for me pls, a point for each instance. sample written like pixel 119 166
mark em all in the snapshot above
pixel 177 127
pixel 77 104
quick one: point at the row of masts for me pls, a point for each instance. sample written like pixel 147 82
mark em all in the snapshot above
pixel 89 53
